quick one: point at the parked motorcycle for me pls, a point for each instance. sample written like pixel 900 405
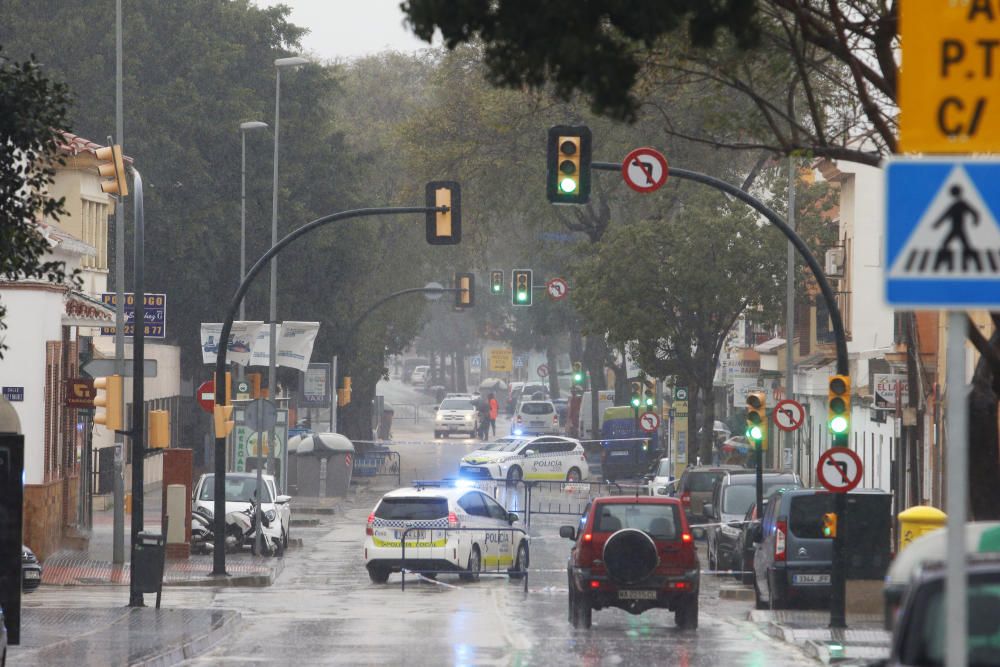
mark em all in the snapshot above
pixel 239 531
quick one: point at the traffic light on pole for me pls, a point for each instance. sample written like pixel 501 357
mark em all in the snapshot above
pixel 830 524
pixel 650 400
pixel 496 283
pixel 113 167
pixel 578 373
pixel 344 393
pixel 224 423
pixel 839 405
pixel 568 164
pixel 466 284
pixel 159 429
pixel 443 227
pixel 521 287
pixel 756 417
pixel 636 395
pixel 109 397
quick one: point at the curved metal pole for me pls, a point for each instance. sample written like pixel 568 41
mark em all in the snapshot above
pixel 219 487
pixel 349 339
pixel 836 321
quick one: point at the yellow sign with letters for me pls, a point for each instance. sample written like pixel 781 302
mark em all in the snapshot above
pixel 949 97
pixel 501 360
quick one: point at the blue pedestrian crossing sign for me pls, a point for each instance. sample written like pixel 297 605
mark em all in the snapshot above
pixel 943 234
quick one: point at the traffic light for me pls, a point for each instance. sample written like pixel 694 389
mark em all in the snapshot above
pixel 159 429
pixel 109 397
pixel 466 295
pixel 830 524
pixel 756 417
pixel 223 420
pixel 636 395
pixel 496 283
pixel 839 404
pixel 578 373
pixel 344 393
pixel 568 164
pixel 650 400
pixel 521 287
pixel 113 167
pixel 443 227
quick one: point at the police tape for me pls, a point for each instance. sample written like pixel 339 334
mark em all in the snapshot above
pixel 467 441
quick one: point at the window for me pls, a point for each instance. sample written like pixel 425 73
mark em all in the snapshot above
pixel 495 510
pixel 562 447
pixel 805 515
pixel 473 504
pixel 412 509
pixel 536 408
pixel 702 481
pixel 660 521
pixel 238 489
pixel 456 404
pixel 737 499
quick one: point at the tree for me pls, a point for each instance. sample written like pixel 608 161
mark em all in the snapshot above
pixel 673 289
pixel 32 116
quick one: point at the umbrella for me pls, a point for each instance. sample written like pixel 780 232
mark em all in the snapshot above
pixel 493 383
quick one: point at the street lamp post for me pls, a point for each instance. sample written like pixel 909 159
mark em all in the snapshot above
pixel 244 128
pixel 272 377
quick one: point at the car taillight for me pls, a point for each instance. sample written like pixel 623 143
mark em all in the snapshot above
pixel 368 528
pixel 686 499
pixel 452 520
pixel 686 538
pixel 779 540
pixel 594 583
pixel 555 420
pixel 519 419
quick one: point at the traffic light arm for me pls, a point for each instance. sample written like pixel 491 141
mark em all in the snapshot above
pixel 836 321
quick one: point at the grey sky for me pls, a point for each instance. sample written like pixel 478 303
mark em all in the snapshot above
pixel 350 28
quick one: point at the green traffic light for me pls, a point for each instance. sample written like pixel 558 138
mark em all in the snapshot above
pixel 567 185
pixel 839 424
pixel 577 377
pixel 635 402
pixel 522 296
pixel 826 531
pixel 755 433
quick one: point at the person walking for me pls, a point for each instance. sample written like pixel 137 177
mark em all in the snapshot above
pixel 483 414
pixel 494 411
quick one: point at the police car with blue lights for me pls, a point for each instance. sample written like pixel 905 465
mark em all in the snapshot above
pixel 546 457
pixel 425 512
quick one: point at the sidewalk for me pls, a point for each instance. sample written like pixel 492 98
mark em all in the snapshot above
pixel 118 636
pixel 864 640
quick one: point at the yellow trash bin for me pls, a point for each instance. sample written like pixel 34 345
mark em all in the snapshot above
pixel 918 520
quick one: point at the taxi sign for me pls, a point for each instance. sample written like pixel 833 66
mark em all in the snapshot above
pixel 948 98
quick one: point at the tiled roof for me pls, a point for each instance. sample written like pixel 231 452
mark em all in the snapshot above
pixel 74 145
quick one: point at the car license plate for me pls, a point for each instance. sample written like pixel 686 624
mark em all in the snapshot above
pixel 412 536
pixel 810 578
pixel 636 595
pixel 31 574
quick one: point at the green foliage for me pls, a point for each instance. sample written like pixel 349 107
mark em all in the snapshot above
pixel 32 111
pixel 590 47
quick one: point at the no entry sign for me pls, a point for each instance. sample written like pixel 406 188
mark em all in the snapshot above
pixel 645 169
pixel 206 396
pixel 839 469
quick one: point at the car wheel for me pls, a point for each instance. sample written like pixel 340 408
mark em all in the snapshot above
pixel 515 474
pixel 521 564
pixel 686 615
pixel 747 576
pixel 573 475
pixel 437 434
pixel 475 565
pixel 378 574
pixel 571 599
pixel 584 612
pixel 758 602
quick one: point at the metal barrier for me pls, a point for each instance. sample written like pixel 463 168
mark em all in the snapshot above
pixel 379 464
pixel 406 411
pixel 486 532
pixel 571 497
pixel 426 411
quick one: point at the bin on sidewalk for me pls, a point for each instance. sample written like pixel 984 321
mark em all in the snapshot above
pixel 919 520
pixel 325 463
pixel 149 557
pixel 385 425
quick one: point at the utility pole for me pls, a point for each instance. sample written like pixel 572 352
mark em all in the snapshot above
pixel 138 430
pixel 118 549
pixel 789 312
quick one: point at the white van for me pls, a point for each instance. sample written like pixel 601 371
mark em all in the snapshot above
pixel 606 399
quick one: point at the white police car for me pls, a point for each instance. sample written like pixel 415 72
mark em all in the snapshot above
pixel 429 508
pixel 547 457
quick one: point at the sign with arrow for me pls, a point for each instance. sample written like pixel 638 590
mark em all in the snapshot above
pixel 788 415
pixel 649 422
pixel 839 469
pixel 645 170
pixel 557 289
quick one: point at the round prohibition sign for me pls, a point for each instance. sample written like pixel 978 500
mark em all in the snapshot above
pixel 839 469
pixel 557 289
pixel 649 422
pixel 788 415
pixel 645 169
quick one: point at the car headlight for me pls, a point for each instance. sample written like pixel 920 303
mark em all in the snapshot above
pixel 271 515
pixel 468 418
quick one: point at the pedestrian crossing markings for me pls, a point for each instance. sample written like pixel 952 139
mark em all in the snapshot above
pixel 956 237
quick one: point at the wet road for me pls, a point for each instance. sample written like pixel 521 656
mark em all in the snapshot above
pixel 324 611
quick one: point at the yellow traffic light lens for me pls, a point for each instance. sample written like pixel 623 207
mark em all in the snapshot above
pixel 567 167
pixel 839 424
pixel 837 406
pixel 567 185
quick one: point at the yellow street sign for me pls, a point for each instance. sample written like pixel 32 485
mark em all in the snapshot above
pixel 949 100
pixel 501 359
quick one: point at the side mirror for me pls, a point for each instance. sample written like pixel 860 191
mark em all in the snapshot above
pixel 529 452
pixel 281 500
pixel 757 532
pixel 569 532
pixel 512 517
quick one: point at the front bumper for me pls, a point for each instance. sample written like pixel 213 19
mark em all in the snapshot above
pixel 31 576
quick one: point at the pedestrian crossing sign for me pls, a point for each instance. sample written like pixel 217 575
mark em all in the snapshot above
pixel 943 233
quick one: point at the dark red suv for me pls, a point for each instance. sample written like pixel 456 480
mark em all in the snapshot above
pixel 634 553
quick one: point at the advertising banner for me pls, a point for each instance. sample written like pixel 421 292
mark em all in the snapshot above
pixel 241 338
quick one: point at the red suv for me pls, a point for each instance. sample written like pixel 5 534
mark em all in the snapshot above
pixel 634 553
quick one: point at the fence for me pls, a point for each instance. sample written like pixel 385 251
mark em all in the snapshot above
pixel 568 498
pixel 523 572
pixel 378 464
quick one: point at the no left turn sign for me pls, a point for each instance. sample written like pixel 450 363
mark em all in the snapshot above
pixel 557 289
pixel 839 469
pixel 645 169
pixel 649 422
pixel 788 415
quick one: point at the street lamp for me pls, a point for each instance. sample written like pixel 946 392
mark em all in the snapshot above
pixel 272 376
pixel 244 128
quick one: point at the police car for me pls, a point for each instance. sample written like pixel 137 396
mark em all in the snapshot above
pixel 547 457
pixel 429 507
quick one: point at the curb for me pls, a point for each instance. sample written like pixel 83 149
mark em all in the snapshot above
pixel 735 593
pixel 236 581
pixel 304 523
pixel 195 646
pixel 329 511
